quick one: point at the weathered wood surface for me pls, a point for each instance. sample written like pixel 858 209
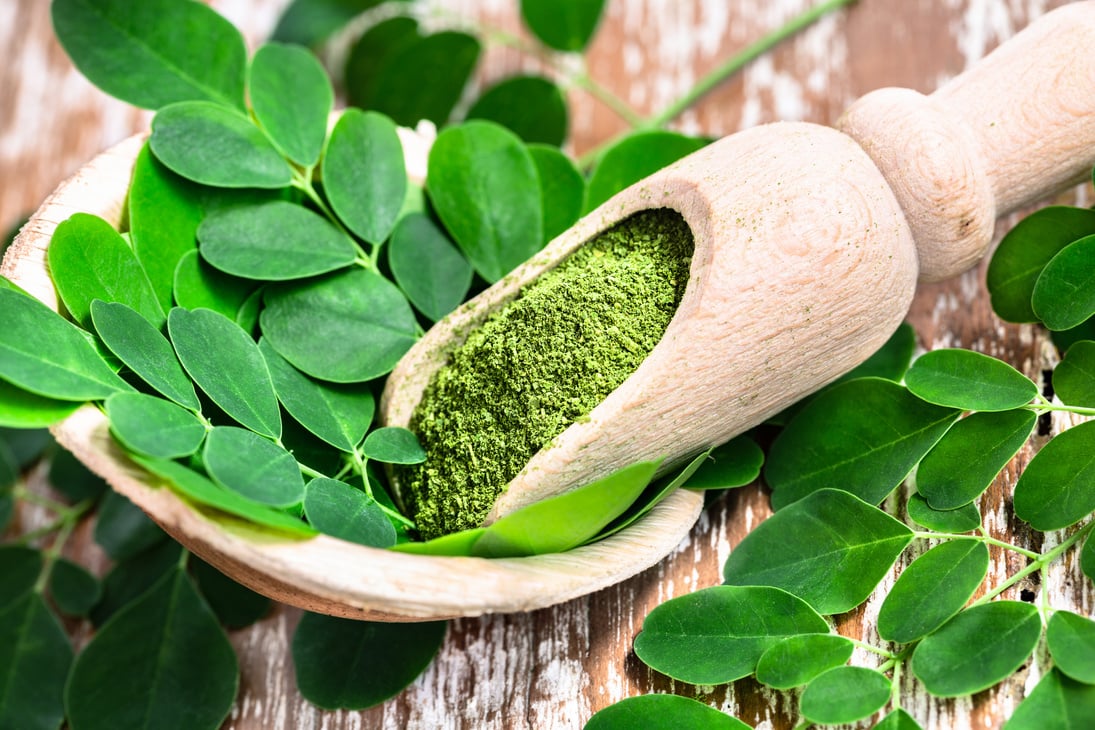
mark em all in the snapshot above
pixel 555 667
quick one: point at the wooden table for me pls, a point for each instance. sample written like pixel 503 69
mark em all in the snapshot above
pixel 555 667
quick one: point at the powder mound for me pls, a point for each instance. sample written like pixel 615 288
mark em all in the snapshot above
pixel 540 363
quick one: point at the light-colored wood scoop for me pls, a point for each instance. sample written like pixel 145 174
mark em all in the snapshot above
pixel 805 262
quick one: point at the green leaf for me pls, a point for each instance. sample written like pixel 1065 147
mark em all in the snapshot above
pixel 1057 488
pixel 336 659
pixel 1071 641
pixel 339 510
pixel 897 720
pixel 273 241
pixel 798 659
pixel 662 712
pixel 455 543
pixel 890 361
pixel 234 605
pixel 1087 558
pixel 393 445
pixel 969 380
pixel 565 25
pixel 20 567
pixel 226 364
pixel 308 22
pixel 845 694
pixel 70 477
pixel 962 519
pixel 970 455
pixel 89 260
pixel 1065 339
pixel 1074 377
pixel 633 158
pixel 932 589
pixel 865 435
pixel 831 549
pixel 199 286
pixel 338 414
pixel 130 579
pixel 426 265
pixel 1063 297
pixel 153 426
pixel 47 355
pixel 155 52
pixel 364 175
pixel 9 469
pixel 1025 251
pixel 346 327
pixel 123 530
pixel 212 145
pixel 246 463
pixel 35 656
pixel 717 635
pixel 291 98
pixel 197 488
pixel 26 444
pixel 144 351
pixel 22 409
pixel 977 648
pixel 74 590
pixel 734 464
pixel 559 523
pixel 484 186
pixel 562 189
pixel 531 107
pixel 163 661
pixel 370 55
pixel 1056 703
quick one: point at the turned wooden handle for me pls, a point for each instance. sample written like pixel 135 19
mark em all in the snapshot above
pixel 1016 128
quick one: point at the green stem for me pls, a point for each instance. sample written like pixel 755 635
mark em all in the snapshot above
pixel 602 94
pixel 304 185
pixel 895 684
pixel 983 537
pixel 873 649
pixel 22 493
pixel 361 462
pixel 1037 565
pixel 70 517
pixel 310 471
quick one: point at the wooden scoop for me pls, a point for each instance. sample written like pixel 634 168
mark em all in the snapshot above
pixel 808 245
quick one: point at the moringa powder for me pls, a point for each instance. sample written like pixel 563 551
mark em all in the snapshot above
pixel 540 363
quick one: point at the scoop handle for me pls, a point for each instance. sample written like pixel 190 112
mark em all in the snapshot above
pixel 1015 128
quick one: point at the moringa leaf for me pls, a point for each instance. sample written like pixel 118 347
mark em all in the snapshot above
pixel 371 52
pixel 393 445
pixel 1055 703
pixel 565 25
pixel 20 567
pixel 797 660
pixel 200 286
pixel 309 22
pixel 339 510
pixel 845 694
pixel 734 464
pixel 455 543
pixel 25 410
pixel 633 158
pixel 662 712
pixel 70 477
pixel 1063 297
pixel 26 444
pixel 962 519
pixel 426 265
pixel 1074 376
pixel 897 720
pixel 1087 558
pixel 153 426
pixel 532 107
pixel 291 97
pixel 130 579
pixel 234 605
pixel 1057 488
pixel 562 188
pixel 122 530
pixel 73 589
pixel 969 380
pixel 35 656
pixel 1071 641
pixel 246 463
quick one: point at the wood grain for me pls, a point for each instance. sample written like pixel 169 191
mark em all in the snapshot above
pixel 553 668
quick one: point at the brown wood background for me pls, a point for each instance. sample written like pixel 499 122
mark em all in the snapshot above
pixel 555 667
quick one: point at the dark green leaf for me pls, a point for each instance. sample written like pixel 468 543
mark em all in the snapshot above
pixel 426 265
pixel 977 648
pixel 1056 703
pixel 970 455
pixel 1071 641
pixel 20 567
pixel 70 477
pixel 831 549
pixel 393 445
pixel 130 579
pixel 123 530
pixel 144 351
pixel 969 380
pixel 371 53
pixel 1063 295
pixel 291 98
pixel 74 590
pixel 1025 251
pixel 309 22
pixel 346 327
pixel 567 520
pixel 565 25
pixel 798 659
pixel 662 712
pixel 89 260
pixel 718 634
pixel 633 158
pixel 22 409
pixel 562 189
pixel 891 360
pixel 35 656
pixel 531 107
pixel 153 426
pixel 26 444
pixel 47 355
pixel 1074 377
pixel 7 508
pixel 734 464
pixel 226 363
pixel 336 659
pixel 212 145
pixel 845 694
pixel 1087 558
pixel 248 464
pixel 897 720
pixel 455 543
pixel 273 241
pixel 155 52
pixel 337 509
pixel 163 661
pixel 1057 488
pixel 338 414
pixel 484 186
pixel 932 589
pixel 1065 339
pixel 199 286
pixel 234 605
pixel 364 175
pixel 962 519
pixel 9 469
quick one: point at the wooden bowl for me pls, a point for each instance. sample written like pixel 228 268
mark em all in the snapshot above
pixel 324 574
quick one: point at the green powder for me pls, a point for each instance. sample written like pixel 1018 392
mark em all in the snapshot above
pixel 541 363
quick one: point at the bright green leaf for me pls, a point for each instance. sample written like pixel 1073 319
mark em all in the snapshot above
pixel 562 188
pixel 246 463
pixel 565 25
pixel 426 265
pixel 734 464
pixel 393 445
pixel 969 380
pixel 633 158
pixel 153 426
pixel 35 656
pixel 200 286
pixel 798 659
pixel 1063 295
pixel 74 590
pixel 897 720
pixel 234 605
pixel 339 510
pixel 22 409
pixel 291 98
pixel 845 694
pixel 531 107
pixel 1071 641
pixel 962 519
pixel 455 543
pixel 1074 377
pixel 662 712
pixel 1057 488
pixel 1056 703
pixel 123 530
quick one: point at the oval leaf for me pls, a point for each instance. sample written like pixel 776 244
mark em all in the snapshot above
pixel 734 464
pixel 199 286
pixel 339 510
pixel 1071 641
pixel 291 97
pixel 897 720
pixel 962 519
pixel 969 380
pixel 73 589
pixel 845 694
pixel 153 426
pixel 248 464
pixel 1056 703
pixel 234 605
pixel 1057 488
pixel 531 107
pixel 662 712
pixel 70 477
pixel 35 656
pixel 798 659
pixel 393 445
pixel 426 265
pixel 122 530
pixel 565 25
pixel 1064 294
pixel 562 189
pixel 22 409
pixel 718 634
pixel 977 648
pixel 1074 377
pixel 20 567
pixel 633 158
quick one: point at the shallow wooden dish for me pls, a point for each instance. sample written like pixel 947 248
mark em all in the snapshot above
pixel 324 574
